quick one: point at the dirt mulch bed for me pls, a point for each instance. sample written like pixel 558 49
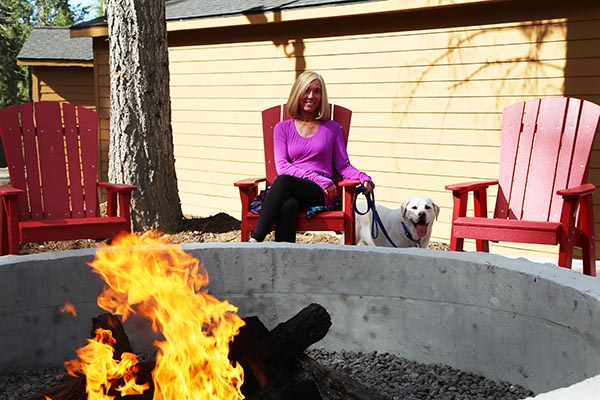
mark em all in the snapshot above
pixel 220 227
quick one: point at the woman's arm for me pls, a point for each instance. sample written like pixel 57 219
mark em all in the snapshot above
pixel 341 161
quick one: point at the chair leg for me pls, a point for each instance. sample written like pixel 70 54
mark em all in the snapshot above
pixel 588 244
pixel 565 248
pixel 480 210
pixel 456 244
pixel 567 232
pixel 245 234
pixel 12 226
pixel 349 237
pixel 589 257
pixel 459 209
pixel 3 230
pixel 565 254
pixel 349 229
pixel 483 245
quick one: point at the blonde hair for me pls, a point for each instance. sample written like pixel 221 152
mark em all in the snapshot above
pixel 299 88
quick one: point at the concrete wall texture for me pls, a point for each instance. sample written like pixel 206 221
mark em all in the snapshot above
pixel 508 319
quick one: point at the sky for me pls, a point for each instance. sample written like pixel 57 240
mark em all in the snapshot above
pixel 85 3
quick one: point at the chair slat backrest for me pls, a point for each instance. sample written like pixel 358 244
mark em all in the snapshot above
pixel 52 152
pixel 270 118
pixel 546 146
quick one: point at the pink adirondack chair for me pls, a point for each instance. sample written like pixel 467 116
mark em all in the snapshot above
pixel 338 220
pixel 543 196
pixel 52 156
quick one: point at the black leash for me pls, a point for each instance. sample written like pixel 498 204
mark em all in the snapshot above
pixel 376 223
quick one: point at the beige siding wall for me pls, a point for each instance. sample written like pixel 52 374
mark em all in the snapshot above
pixel 70 84
pixel 427 101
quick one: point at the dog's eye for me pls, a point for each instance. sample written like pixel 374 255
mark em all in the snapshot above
pixel 414 207
pixel 427 207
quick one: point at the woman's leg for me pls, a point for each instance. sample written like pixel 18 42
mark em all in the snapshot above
pixel 285 226
pixel 275 209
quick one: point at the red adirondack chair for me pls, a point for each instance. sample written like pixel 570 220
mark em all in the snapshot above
pixel 543 196
pixel 338 220
pixel 52 156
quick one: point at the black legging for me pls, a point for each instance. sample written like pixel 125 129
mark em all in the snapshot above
pixel 285 198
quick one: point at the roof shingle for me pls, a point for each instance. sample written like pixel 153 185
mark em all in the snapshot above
pixel 188 9
pixel 55 43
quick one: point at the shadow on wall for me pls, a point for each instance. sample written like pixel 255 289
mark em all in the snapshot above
pixel 292 47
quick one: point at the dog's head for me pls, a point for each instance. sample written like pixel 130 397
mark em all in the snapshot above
pixel 420 212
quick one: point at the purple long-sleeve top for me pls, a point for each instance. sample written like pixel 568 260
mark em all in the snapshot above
pixel 315 157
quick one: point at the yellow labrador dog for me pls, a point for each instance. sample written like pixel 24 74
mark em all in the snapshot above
pixel 408 226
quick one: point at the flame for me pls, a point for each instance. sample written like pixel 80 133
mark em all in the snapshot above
pixel 68 308
pixel 167 286
pixel 100 369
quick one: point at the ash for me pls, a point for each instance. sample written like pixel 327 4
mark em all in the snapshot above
pixel 20 385
pixel 387 373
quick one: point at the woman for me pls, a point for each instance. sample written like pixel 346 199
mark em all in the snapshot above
pixel 307 147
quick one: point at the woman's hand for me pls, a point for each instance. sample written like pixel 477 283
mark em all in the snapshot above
pixel 330 191
pixel 368 187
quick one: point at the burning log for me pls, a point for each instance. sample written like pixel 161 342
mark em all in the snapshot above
pixel 74 387
pixel 280 370
pixel 269 355
pixel 273 361
pixel 113 324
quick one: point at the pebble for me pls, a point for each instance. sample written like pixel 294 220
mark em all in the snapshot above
pixel 389 374
pixel 400 378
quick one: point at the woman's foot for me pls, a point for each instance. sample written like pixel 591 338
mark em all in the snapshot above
pixel 252 240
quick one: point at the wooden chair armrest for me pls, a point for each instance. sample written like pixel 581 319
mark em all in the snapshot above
pixel 117 187
pixel 248 189
pixel 471 186
pixel 9 190
pixel 248 183
pixel 122 204
pixel 578 191
pixel 348 182
pixel 460 194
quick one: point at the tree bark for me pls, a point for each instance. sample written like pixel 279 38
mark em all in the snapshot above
pixel 141 138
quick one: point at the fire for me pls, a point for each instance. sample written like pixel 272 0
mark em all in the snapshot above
pixel 68 308
pixel 100 369
pixel 168 287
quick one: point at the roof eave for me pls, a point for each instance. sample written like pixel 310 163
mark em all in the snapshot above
pixel 288 15
pixel 55 63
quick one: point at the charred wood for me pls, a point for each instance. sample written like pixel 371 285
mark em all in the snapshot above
pixel 274 363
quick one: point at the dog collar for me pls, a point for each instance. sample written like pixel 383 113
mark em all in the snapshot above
pixel 409 236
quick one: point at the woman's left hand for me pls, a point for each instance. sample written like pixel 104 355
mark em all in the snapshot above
pixel 331 191
pixel 368 187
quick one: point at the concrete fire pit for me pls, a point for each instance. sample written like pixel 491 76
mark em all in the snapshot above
pixel 513 320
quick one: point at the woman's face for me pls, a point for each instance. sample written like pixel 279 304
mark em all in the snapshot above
pixel 311 99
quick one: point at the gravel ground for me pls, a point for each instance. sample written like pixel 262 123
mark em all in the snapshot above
pixel 217 228
pixel 387 373
pixel 401 379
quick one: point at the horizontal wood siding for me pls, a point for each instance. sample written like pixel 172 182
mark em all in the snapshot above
pixel 69 84
pixel 426 101
pixel 103 102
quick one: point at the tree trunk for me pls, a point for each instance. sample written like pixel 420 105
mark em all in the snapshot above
pixel 141 138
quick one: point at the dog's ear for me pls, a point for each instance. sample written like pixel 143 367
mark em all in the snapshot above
pixel 403 206
pixel 436 209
